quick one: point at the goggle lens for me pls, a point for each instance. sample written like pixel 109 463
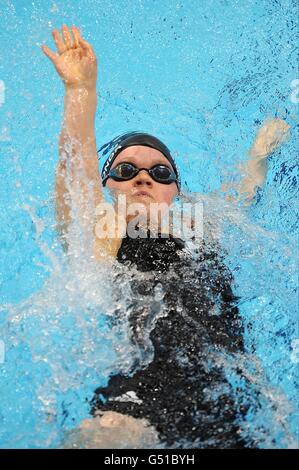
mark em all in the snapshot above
pixel 126 171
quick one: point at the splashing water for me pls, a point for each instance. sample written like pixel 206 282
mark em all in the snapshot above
pixel 64 341
pixel 65 327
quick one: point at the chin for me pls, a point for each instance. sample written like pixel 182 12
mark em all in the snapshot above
pixel 146 200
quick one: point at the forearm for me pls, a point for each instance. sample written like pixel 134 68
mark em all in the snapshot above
pixel 78 162
pixel 254 173
pixel 77 141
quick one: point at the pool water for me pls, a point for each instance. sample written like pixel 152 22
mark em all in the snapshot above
pixel 202 76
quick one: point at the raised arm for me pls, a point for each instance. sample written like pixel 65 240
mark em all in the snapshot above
pixel 269 137
pixel 78 182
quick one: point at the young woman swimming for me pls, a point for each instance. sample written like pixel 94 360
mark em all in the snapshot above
pixel 167 401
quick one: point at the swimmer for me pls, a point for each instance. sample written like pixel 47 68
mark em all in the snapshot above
pixel 155 404
pixel 76 64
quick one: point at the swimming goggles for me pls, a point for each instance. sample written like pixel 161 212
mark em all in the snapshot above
pixel 126 171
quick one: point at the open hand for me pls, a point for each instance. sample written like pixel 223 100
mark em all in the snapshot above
pixel 270 136
pixel 75 62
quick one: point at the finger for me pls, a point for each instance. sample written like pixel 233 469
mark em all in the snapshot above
pixel 50 54
pixel 76 34
pixel 60 46
pixel 54 58
pixel 87 49
pixel 284 132
pixel 284 126
pixel 84 44
pixel 67 37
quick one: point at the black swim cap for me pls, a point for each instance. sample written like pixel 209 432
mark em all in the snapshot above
pixel 128 140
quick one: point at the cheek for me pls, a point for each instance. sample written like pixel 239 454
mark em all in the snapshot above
pixel 166 193
pixel 122 187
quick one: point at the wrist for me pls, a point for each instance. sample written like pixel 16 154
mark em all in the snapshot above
pixel 258 152
pixel 81 89
pixel 80 100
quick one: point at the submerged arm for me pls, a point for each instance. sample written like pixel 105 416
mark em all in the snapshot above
pixel 269 137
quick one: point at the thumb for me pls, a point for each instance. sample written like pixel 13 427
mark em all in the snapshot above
pixel 54 59
pixel 50 54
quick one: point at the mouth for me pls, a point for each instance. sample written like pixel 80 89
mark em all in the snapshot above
pixel 142 194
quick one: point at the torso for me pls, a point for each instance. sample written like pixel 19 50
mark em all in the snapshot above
pixel 171 385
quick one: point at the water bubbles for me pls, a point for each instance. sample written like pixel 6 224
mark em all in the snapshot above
pixel 54 8
pixel 159 292
pixel 91 320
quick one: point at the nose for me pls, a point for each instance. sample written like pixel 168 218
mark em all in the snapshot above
pixel 143 178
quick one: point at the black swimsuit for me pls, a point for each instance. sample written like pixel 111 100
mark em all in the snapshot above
pixel 189 403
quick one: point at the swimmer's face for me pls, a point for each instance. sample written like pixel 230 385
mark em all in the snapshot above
pixel 143 157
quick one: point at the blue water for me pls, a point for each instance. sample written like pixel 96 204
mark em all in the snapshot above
pixel 202 76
